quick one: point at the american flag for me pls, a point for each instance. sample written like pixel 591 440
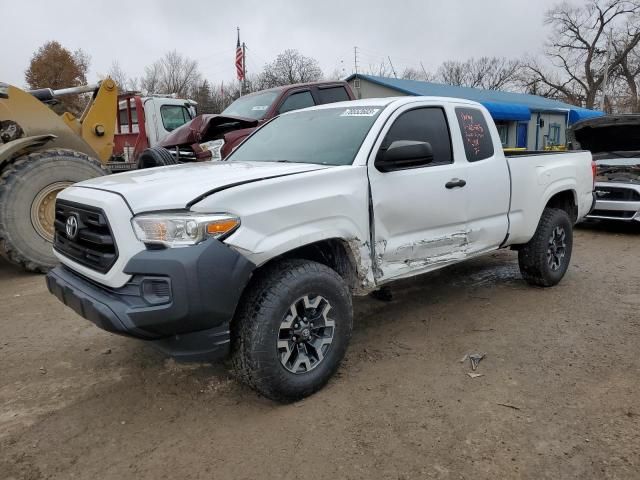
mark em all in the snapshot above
pixel 239 59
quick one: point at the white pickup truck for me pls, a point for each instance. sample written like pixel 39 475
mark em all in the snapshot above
pixel 257 257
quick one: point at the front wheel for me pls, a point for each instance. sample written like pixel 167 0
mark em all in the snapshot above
pixel 292 329
pixel 28 190
pixel 545 259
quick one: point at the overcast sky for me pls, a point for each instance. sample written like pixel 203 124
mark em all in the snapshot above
pixel 135 33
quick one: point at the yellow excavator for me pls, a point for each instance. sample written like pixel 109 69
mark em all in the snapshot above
pixel 41 153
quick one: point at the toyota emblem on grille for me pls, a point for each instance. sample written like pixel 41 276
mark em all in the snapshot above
pixel 72 227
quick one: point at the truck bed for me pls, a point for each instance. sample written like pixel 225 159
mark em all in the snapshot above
pixel 535 175
pixel 525 153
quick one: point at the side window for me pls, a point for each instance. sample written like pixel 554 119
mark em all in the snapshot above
pixel 297 101
pixel 476 137
pixel 124 116
pixel 174 116
pixel 332 95
pixel 503 132
pixel 427 124
pixel 554 134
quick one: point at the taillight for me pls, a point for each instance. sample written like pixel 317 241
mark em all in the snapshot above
pixel 594 172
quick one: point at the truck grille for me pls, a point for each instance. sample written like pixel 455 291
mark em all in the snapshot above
pixel 617 194
pixel 93 244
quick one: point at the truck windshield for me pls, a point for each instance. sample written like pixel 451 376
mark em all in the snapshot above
pixel 251 106
pixel 330 136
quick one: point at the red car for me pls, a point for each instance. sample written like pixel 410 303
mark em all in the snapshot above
pixel 214 136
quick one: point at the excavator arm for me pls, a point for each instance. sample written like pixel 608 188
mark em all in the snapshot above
pixel 25 114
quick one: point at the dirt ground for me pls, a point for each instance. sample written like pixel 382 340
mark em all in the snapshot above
pixel 559 396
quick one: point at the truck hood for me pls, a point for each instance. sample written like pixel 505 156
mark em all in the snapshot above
pixel 206 127
pixel 614 141
pixel 613 133
pixel 180 186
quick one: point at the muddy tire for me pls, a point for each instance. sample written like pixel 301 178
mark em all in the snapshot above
pixel 156 157
pixel 291 330
pixel 28 188
pixel 545 259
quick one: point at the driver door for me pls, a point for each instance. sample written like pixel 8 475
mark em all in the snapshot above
pixel 419 214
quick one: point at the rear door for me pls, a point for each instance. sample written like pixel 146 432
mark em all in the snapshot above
pixel 419 213
pixel 331 94
pixel 488 182
pixel 296 100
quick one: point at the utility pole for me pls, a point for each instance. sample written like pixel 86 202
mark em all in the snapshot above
pixel 605 78
pixel 392 69
pixel 355 60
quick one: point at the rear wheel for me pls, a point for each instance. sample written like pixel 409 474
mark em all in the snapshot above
pixel 28 190
pixel 292 329
pixel 545 259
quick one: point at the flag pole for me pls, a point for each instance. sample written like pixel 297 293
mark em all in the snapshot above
pixel 244 65
pixel 238 46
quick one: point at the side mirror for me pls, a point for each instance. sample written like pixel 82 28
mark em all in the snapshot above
pixel 404 154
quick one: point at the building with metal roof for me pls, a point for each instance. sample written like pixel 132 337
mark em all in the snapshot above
pixel 523 120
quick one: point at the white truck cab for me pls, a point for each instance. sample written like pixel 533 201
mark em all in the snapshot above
pixel 162 115
pixel 258 256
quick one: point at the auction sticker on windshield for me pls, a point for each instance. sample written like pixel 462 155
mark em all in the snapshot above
pixel 260 107
pixel 360 112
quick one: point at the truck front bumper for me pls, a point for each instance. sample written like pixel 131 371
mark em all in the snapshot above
pixel 181 300
pixel 617 201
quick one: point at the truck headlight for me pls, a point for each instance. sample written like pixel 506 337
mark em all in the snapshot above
pixel 215 147
pixel 182 229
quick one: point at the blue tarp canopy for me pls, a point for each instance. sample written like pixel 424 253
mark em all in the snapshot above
pixel 502 105
pixel 576 114
pixel 508 111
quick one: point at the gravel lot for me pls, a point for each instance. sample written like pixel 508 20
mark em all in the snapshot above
pixel 559 396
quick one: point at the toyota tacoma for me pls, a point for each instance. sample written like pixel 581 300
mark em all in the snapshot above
pixel 257 258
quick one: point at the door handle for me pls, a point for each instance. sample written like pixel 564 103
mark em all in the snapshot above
pixel 455 183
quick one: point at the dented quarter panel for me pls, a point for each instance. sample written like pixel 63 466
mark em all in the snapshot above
pixel 281 214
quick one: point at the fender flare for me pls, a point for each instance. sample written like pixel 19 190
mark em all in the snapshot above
pixel 22 146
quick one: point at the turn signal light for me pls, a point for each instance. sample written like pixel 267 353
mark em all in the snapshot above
pixel 222 226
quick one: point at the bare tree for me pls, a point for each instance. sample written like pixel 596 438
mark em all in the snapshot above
pixel 290 67
pixel 150 82
pixel 629 73
pixel 382 69
pixel 121 78
pixel 411 73
pixel 336 74
pixel 490 73
pixel 578 47
pixel 173 73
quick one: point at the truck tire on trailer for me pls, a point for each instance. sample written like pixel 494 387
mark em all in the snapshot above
pixel 156 157
pixel 292 329
pixel 28 188
pixel 545 259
